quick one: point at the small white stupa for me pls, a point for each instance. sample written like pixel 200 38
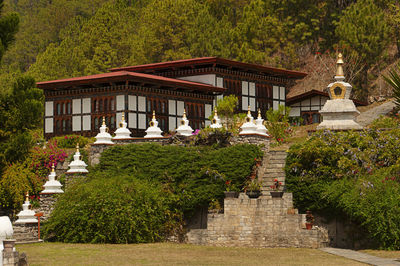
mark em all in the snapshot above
pixel 26 215
pixel 52 186
pixel 215 122
pixel 103 137
pixel 153 131
pixel 77 165
pixel 6 231
pixel 184 129
pixel 249 127
pixel 339 112
pixel 261 129
pixel 122 132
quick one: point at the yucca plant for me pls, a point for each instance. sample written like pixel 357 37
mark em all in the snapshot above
pixel 394 80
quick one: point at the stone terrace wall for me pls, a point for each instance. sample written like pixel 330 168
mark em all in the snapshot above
pixel 262 222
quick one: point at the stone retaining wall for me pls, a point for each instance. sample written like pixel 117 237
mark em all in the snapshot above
pixel 262 222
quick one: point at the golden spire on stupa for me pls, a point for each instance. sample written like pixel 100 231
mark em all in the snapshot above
pixel 339 69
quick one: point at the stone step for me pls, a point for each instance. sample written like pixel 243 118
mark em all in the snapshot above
pixel 274 171
pixel 29 241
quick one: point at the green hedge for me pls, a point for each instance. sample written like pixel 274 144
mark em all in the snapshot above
pixel 142 193
pixel 356 174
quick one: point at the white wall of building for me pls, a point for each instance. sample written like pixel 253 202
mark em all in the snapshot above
pixel 86 122
pixel 206 79
pixel 49 108
pixel 49 125
pixel 76 123
pixel 120 102
pixel 86 105
pixel 76 106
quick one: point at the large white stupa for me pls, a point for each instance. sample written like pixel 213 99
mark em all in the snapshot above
pixel 26 215
pixel 184 129
pixel 77 165
pixel 103 137
pixel 6 231
pixel 216 122
pixel 339 112
pixel 261 129
pixel 52 186
pixel 153 131
pixel 122 132
pixel 249 127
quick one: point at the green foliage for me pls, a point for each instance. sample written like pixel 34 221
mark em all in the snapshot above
pixel 113 210
pixel 278 123
pixel 15 182
pixel 21 111
pixel 394 81
pixel 70 141
pixel 147 189
pixel 386 122
pixel 8 28
pixel 215 137
pixel 227 105
pixel 363 27
pixel 351 174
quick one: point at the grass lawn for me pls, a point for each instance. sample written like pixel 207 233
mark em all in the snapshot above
pixel 383 253
pixel 172 254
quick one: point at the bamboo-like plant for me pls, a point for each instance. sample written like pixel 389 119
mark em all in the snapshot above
pixel 394 80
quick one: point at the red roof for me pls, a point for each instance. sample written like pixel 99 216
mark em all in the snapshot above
pixel 213 60
pixel 124 76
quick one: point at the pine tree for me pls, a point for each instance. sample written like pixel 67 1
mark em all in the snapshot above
pixel 8 29
pixel 364 29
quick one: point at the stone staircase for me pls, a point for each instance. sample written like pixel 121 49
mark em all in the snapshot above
pixel 273 167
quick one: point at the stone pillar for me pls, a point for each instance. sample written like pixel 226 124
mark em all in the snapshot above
pixel 10 257
pixel 47 201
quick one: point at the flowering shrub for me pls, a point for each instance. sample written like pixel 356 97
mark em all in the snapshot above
pixel 355 174
pixel 42 159
pixel 29 175
pixel 69 141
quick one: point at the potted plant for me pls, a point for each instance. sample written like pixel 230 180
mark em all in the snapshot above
pixel 253 188
pixel 275 193
pixel 231 190
pixel 309 220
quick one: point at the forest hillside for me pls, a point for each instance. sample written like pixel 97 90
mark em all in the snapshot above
pixel 66 38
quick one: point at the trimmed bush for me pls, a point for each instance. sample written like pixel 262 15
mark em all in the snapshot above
pixel 356 174
pixel 142 193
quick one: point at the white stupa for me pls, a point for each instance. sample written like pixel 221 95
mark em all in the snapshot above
pixel 153 131
pixel 52 186
pixel 122 132
pixel 261 129
pixel 184 129
pixel 339 112
pixel 26 215
pixel 215 122
pixel 103 137
pixel 77 165
pixel 6 231
pixel 249 127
